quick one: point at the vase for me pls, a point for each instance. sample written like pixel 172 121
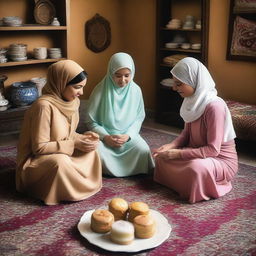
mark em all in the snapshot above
pixel 40 83
pixel 55 22
pixel 23 93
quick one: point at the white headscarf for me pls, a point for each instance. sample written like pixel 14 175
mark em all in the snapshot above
pixel 192 72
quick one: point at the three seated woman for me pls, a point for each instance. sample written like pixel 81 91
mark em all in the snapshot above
pixel 56 164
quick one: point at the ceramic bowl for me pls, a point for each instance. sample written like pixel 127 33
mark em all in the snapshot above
pixel 172 45
pixel 3 102
pixel 12 21
pixel 196 46
pixel 185 45
pixel 23 93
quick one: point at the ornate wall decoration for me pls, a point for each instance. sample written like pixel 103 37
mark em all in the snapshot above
pixel 97 33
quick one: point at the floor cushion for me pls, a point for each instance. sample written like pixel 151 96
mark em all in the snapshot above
pixel 244 119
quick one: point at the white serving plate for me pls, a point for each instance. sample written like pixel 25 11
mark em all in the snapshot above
pixel 163 230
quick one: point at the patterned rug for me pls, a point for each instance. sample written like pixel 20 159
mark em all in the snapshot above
pixel 225 226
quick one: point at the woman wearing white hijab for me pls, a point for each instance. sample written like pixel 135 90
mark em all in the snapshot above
pixel 201 162
pixel 116 112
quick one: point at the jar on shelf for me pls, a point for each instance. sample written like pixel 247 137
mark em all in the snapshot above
pixel 23 93
pixel 40 83
pixel 55 22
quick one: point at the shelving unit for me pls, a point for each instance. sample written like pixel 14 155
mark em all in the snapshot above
pixel 28 62
pixel 33 35
pixel 32 27
pixel 249 15
pixel 168 101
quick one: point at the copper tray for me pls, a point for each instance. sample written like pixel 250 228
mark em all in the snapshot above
pixel 44 12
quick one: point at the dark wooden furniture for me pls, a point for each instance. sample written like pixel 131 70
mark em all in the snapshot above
pixel 11 120
pixel 168 101
pixel 33 35
pixel 241 42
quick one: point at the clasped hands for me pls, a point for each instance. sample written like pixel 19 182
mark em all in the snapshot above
pixel 87 142
pixel 167 152
pixel 116 140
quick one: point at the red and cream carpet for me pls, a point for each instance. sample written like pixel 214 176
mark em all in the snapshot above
pixel 225 226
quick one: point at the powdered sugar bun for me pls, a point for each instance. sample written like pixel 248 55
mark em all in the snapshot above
pixel 122 232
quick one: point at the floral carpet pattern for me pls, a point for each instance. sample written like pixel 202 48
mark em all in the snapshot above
pixel 224 226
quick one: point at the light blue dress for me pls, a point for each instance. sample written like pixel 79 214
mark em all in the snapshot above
pixel 114 110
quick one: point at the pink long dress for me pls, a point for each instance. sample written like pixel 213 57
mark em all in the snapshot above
pixel 207 164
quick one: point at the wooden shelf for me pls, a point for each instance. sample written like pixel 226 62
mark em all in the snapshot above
pixel 238 17
pixel 244 11
pixel 32 27
pixel 33 35
pixel 181 29
pixel 28 62
pixel 168 101
pixel 165 65
pixel 180 50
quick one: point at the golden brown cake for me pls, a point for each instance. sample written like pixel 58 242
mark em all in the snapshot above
pixel 145 226
pixel 122 232
pixel 119 207
pixel 101 221
pixel 137 208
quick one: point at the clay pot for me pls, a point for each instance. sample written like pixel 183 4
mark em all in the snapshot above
pixel 23 93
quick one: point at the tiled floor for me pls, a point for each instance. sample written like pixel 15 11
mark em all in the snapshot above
pixel 246 151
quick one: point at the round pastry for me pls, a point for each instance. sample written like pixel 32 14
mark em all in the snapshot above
pixel 137 208
pixel 119 207
pixel 145 226
pixel 101 221
pixel 122 232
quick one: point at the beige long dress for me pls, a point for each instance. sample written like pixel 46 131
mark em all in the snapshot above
pixel 48 165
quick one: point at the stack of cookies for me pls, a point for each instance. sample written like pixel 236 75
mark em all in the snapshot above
pixel 124 221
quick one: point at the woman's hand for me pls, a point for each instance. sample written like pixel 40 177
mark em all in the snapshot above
pixel 170 154
pixel 116 140
pixel 87 142
pixel 161 149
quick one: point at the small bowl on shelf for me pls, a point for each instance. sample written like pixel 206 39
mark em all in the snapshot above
pixel 40 53
pixel 185 46
pixel 196 46
pixel 12 21
pixel 172 45
pixel 54 53
pixel 174 24
pixel 3 59
pixel 23 58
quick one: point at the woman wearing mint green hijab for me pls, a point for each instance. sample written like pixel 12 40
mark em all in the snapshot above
pixel 116 112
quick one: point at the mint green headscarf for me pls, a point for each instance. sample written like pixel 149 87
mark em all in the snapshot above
pixel 115 110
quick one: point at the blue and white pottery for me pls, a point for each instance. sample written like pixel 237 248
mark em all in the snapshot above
pixel 23 93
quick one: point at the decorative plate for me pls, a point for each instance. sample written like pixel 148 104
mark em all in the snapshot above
pixel 97 33
pixel 163 230
pixel 44 12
